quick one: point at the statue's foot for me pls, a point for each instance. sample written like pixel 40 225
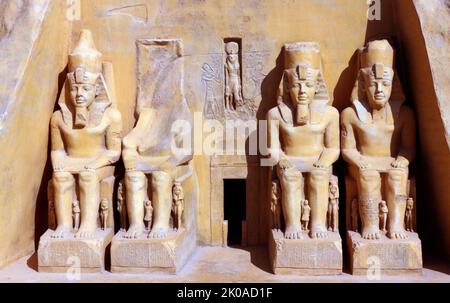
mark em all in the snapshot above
pixel 134 231
pixel 61 232
pixel 398 233
pixel 330 229
pixel 318 232
pixel 371 233
pixel 85 233
pixel 158 232
pixel 293 232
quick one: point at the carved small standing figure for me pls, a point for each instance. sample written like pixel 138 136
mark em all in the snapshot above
pixel 306 211
pixel 104 213
pixel 383 215
pixel 409 214
pixel 121 207
pixel 355 215
pixel 148 214
pixel 333 205
pixel 178 203
pixel 233 92
pixel 76 214
pixel 275 206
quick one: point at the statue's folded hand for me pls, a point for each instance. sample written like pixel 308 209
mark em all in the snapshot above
pixel 363 164
pixel 400 163
pixel 285 164
pixel 320 164
pixel 59 168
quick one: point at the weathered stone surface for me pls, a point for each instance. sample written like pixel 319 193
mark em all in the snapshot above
pixel 33 51
pixel 59 255
pixel 394 256
pixel 167 255
pixel 305 256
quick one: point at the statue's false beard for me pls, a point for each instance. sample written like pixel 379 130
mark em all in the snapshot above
pixel 81 116
pixel 302 113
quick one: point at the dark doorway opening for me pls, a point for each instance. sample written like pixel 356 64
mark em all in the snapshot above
pixel 234 208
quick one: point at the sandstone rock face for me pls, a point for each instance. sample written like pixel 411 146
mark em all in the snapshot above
pixel 33 51
pixel 9 12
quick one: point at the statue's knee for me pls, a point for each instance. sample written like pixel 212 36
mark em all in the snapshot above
pixel 396 175
pixel 135 179
pixel 288 175
pixel 369 176
pixel 88 176
pixel 319 175
pixel 62 177
pixel 160 178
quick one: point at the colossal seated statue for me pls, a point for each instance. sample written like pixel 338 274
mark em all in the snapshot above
pixel 159 187
pixel 85 140
pixel 304 140
pixel 85 143
pixel 378 142
pixel 303 145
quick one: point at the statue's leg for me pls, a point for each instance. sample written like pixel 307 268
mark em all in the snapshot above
pixel 63 183
pixel 318 199
pixel 162 199
pixel 369 192
pixel 136 190
pixel 291 181
pixel 396 185
pixel 89 202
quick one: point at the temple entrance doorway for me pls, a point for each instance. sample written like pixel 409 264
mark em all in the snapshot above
pixel 234 209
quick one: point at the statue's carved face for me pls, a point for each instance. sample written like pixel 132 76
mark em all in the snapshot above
pixel 82 94
pixel 378 85
pixel 233 57
pixel 333 188
pixel 302 84
pixel 83 87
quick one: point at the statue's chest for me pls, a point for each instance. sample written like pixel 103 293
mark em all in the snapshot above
pixel 378 132
pixel 84 135
pixel 302 133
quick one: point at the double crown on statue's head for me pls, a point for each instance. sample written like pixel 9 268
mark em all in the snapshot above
pixel 302 60
pixel 378 56
pixel 85 61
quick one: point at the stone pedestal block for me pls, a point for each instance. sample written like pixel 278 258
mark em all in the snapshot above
pixel 305 256
pixel 144 255
pixel 61 255
pixel 387 256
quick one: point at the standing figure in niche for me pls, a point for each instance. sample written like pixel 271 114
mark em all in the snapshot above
pixel 233 90
pixel 333 205
pixel 383 215
pixel 275 205
pixel 104 213
pixel 409 214
pixel 148 214
pixel 306 211
pixel 122 207
pixel 178 203
pixel 76 214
